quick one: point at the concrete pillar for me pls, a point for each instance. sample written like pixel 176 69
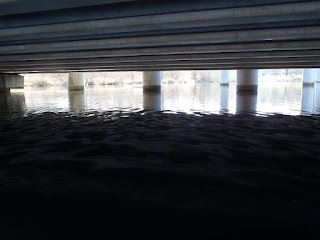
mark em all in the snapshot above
pixel 76 81
pixel 224 98
pixel 76 101
pixel 224 78
pixel 152 100
pixel 307 99
pixel 317 98
pixel 309 76
pixel 318 76
pixel 152 80
pixel 246 102
pixel 247 80
pixel 10 81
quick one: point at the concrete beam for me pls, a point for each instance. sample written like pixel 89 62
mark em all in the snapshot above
pixel 159 51
pixel 12 7
pixel 169 65
pixel 214 17
pixel 230 37
pixel 280 61
pixel 285 56
pixel 161 68
pixel 95 12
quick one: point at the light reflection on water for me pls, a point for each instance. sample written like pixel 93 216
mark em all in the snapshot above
pixel 285 98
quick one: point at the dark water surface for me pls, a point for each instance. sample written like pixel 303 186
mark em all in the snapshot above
pixel 114 163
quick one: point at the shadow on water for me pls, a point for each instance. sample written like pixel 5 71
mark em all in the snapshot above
pixel 12 104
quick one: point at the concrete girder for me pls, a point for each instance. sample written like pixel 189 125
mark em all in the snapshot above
pixel 191 62
pixel 10 7
pixel 164 68
pixel 230 37
pixel 219 48
pixel 96 12
pixel 163 29
pixel 287 11
pixel 263 55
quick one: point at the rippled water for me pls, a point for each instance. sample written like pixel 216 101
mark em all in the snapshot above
pixel 285 98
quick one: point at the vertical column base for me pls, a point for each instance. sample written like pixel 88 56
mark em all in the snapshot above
pixel 308 84
pixel 75 88
pixel 224 84
pixel 76 81
pixel 152 88
pixel 152 81
pixel 247 88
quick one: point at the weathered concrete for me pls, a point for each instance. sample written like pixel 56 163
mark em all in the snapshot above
pixel 247 80
pixel 234 37
pixel 224 78
pixel 295 48
pixel 309 76
pixel 11 81
pixel 83 30
pixel 152 100
pixel 76 81
pixel 246 102
pixel 213 17
pixel 152 80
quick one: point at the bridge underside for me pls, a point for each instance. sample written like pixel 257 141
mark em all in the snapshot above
pixel 115 35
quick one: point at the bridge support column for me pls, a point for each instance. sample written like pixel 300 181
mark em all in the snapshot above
pixel 309 76
pixel 224 78
pixel 76 81
pixel 152 100
pixel 307 99
pixel 152 80
pixel 318 76
pixel 247 80
pixel 224 98
pixel 246 102
pixel 10 81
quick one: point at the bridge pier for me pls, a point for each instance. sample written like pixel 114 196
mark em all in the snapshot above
pixel 224 98
pixel 247 80
pixel 309 76
pixel 76 81
pixel 152 80
pixel 246 102
pixel 318 76
pixel 307 98
pixel 10 81
pixel 152 100
pixel 224 78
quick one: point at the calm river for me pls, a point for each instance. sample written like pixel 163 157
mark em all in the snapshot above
pixel 282 97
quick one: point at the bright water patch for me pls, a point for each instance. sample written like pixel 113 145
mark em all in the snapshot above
pixel 284 98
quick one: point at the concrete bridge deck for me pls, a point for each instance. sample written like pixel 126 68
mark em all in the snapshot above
pixel 123 35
